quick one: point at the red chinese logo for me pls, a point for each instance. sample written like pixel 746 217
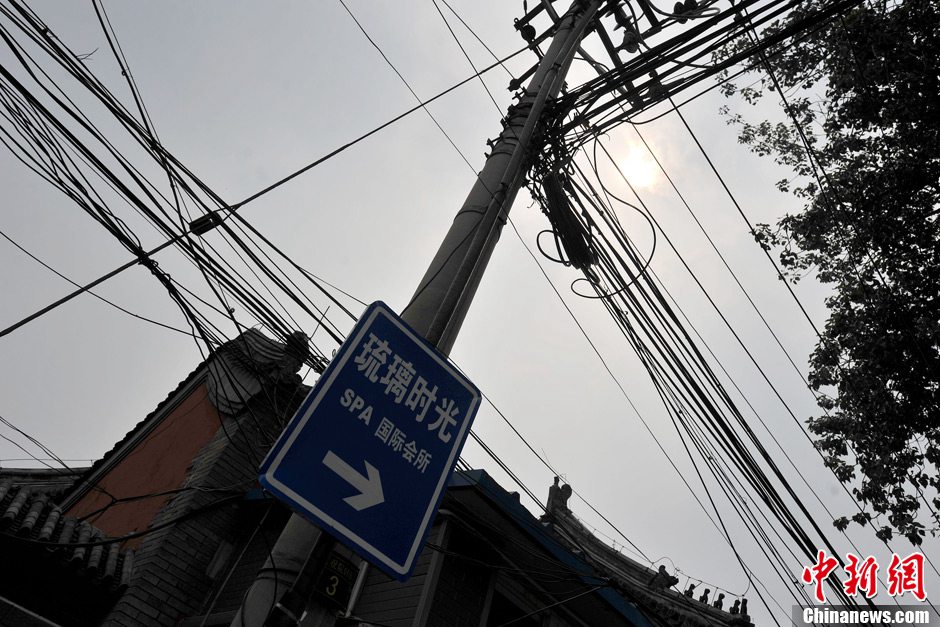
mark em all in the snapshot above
pixel 818 572
pixel 904 575
pixel 862 576
pixel 907 575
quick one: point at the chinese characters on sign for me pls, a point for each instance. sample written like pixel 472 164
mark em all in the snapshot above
pixel 397 381
pixel 401 384
pixel 903 575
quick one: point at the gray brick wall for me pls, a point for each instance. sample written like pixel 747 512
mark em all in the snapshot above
pixel 169 582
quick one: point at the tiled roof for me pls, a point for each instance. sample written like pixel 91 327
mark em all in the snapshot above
pixel 29 513
pixel 46 479
pixel 671 605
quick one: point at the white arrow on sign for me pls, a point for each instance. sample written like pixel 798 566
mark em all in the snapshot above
pixel 370 488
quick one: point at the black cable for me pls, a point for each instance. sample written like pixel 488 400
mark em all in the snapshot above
pixel 132 244
pixel 107 177
pixel 101 298
pixel 237 561
pixel 556 604
pixel 33 457
pixel 556 473
pixel 612 375
pixel 118 52
pixel 464 51
pixel 766 324
pixel 549 576
pixel 529 524
pixel 40 459
pixel 116 501
pixel 673 412
pixel 477 37
pixel 413 93
pixel 715 306
pixel 518 434
pixel 637 68
pixel 817 497
pixel 753 305
pixel 699 357
pixel 66 469
pixel 747 221
pixel 231 210
pixel 336 151
pixel 189 315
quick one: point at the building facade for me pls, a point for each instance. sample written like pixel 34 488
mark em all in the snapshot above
pixel 171 528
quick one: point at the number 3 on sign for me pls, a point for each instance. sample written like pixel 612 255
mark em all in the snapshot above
pixel 334 582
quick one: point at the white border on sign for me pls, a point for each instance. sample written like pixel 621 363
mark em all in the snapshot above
pixel 308 506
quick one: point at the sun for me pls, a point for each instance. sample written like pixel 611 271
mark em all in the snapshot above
pixel 639 167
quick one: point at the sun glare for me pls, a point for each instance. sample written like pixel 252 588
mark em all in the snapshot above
pixel 639 167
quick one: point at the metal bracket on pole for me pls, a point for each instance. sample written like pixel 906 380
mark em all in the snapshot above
pixel 440 303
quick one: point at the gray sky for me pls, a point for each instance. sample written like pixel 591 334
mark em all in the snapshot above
pixel 244 93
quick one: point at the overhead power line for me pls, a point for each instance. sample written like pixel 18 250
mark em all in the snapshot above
pixel 232 209
pixel 98 296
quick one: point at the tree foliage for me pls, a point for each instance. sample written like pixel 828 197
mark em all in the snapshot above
pixel 865 92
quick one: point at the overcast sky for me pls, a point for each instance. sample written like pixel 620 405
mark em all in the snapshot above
pixel 246 92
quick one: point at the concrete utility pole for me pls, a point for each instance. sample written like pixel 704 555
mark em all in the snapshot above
pixel 444 294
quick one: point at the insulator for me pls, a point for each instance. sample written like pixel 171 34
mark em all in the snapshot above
pixel 631 41
pixel 620 17
pixel 655 86
pixel 678 10
pixel 526 30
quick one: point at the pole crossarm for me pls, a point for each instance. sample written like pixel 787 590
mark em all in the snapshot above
pixel 440 303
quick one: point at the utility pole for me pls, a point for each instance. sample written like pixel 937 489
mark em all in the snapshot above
pixel 440 302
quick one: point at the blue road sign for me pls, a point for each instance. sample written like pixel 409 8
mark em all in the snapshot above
pixel 368 454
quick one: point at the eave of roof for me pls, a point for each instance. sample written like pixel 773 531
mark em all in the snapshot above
pixel 48 479
pixel 31 522
pixel 633 575
pixel 531 526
